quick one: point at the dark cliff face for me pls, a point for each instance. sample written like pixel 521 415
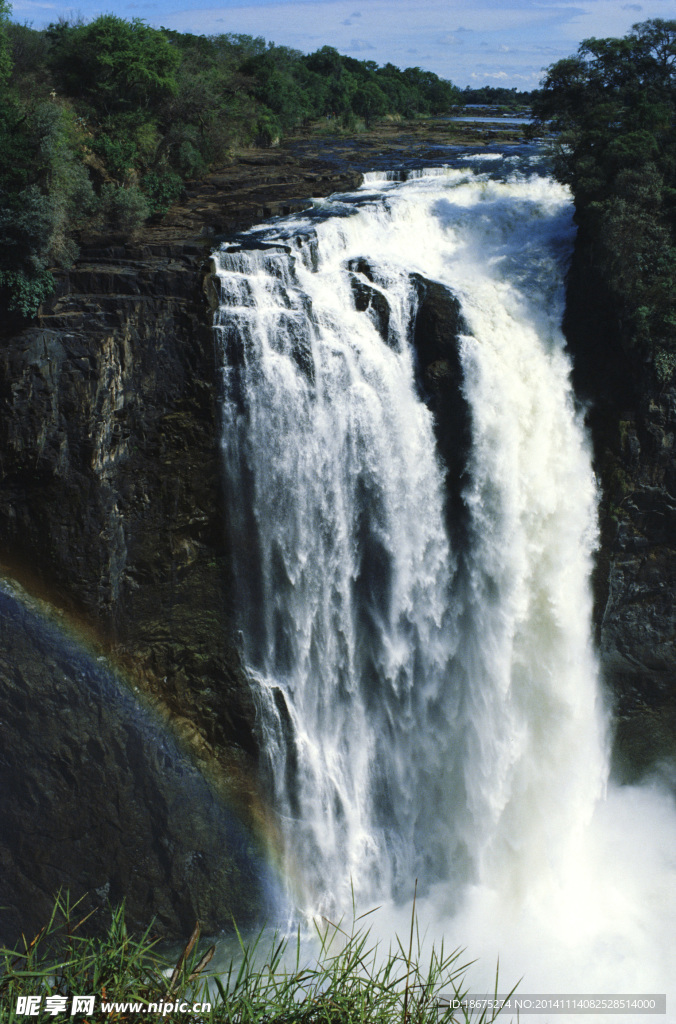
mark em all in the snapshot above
pixel 110 483
pixel 111 508
pixel 110 498
pixel 632 417
pixel 95 793
pixel 436 332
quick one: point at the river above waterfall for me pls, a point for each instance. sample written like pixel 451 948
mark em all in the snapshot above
pixel 415 605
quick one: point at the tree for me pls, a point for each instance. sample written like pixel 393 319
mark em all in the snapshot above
pixel 613 104
pixel 45 193
pixel 277 85
pixel 613 107
pixel 117 65
pixel 5 49
pixel 370 101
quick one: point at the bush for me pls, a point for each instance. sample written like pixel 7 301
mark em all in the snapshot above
pixel 25 292
pixel 37 216
pixel 125 209
pixel 162 189
pixel 118 65
pixel 665 366
pixel 118 152
pixel 5 45
pixel 26 226
pixel 268 130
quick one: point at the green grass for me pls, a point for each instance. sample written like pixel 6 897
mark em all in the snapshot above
pixel 347 980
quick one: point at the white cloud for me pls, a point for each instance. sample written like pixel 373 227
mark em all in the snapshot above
pixel 502 76
pixel 504 38
pixel 33 5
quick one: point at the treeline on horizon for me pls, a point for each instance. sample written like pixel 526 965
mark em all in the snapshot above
pixel 497 96
pixel 101 123
pixel 612 109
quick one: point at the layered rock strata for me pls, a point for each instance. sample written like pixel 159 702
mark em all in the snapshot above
pixel 111 509
pixel 110 487
pixel 632 416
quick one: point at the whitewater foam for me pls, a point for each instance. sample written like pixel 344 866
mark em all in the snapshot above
pixel 426 712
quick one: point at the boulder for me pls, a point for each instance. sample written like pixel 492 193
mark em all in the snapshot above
pixel 436 331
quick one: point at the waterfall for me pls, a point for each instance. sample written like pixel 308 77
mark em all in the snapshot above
pixel 348 628
pixel 428 704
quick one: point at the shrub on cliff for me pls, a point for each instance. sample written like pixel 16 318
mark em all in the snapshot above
pixel 101 122
pixel 124 209
pixel 114 65
pixel 45 193
pixel 5 54
pixel 613 106
pixel 161 190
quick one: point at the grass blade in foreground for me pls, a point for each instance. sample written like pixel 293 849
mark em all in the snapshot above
pixel 348 979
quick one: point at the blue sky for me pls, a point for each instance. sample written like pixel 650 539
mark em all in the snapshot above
pixel 472 42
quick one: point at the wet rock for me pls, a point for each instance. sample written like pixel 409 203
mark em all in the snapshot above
pixel 436 331
pixel 111 496
pixel 373 302
pixel 96 795
pixel 632 418
pixel 111 509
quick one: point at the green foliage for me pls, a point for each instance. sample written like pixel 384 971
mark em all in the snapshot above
pixel 325 83
pixel 102 122
pixel 184 142
pixel 61 961
pixel 125 209
pixel 347 979
pixel 30 76
pixel 117 149
pixel 5 44
pixel 162 189
pixel 492 96
pixel 613 106
pixel 268 129
pixel 114 64
pixel 665 366
pixel 370 101
pixel 26 289
pixel 45 192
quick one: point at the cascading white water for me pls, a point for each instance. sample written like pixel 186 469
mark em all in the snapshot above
pixel 350 628
pixel 425 712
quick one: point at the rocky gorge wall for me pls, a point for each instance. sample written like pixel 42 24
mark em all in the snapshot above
pixel 111 511
pixel 632 416
pixel 96 795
